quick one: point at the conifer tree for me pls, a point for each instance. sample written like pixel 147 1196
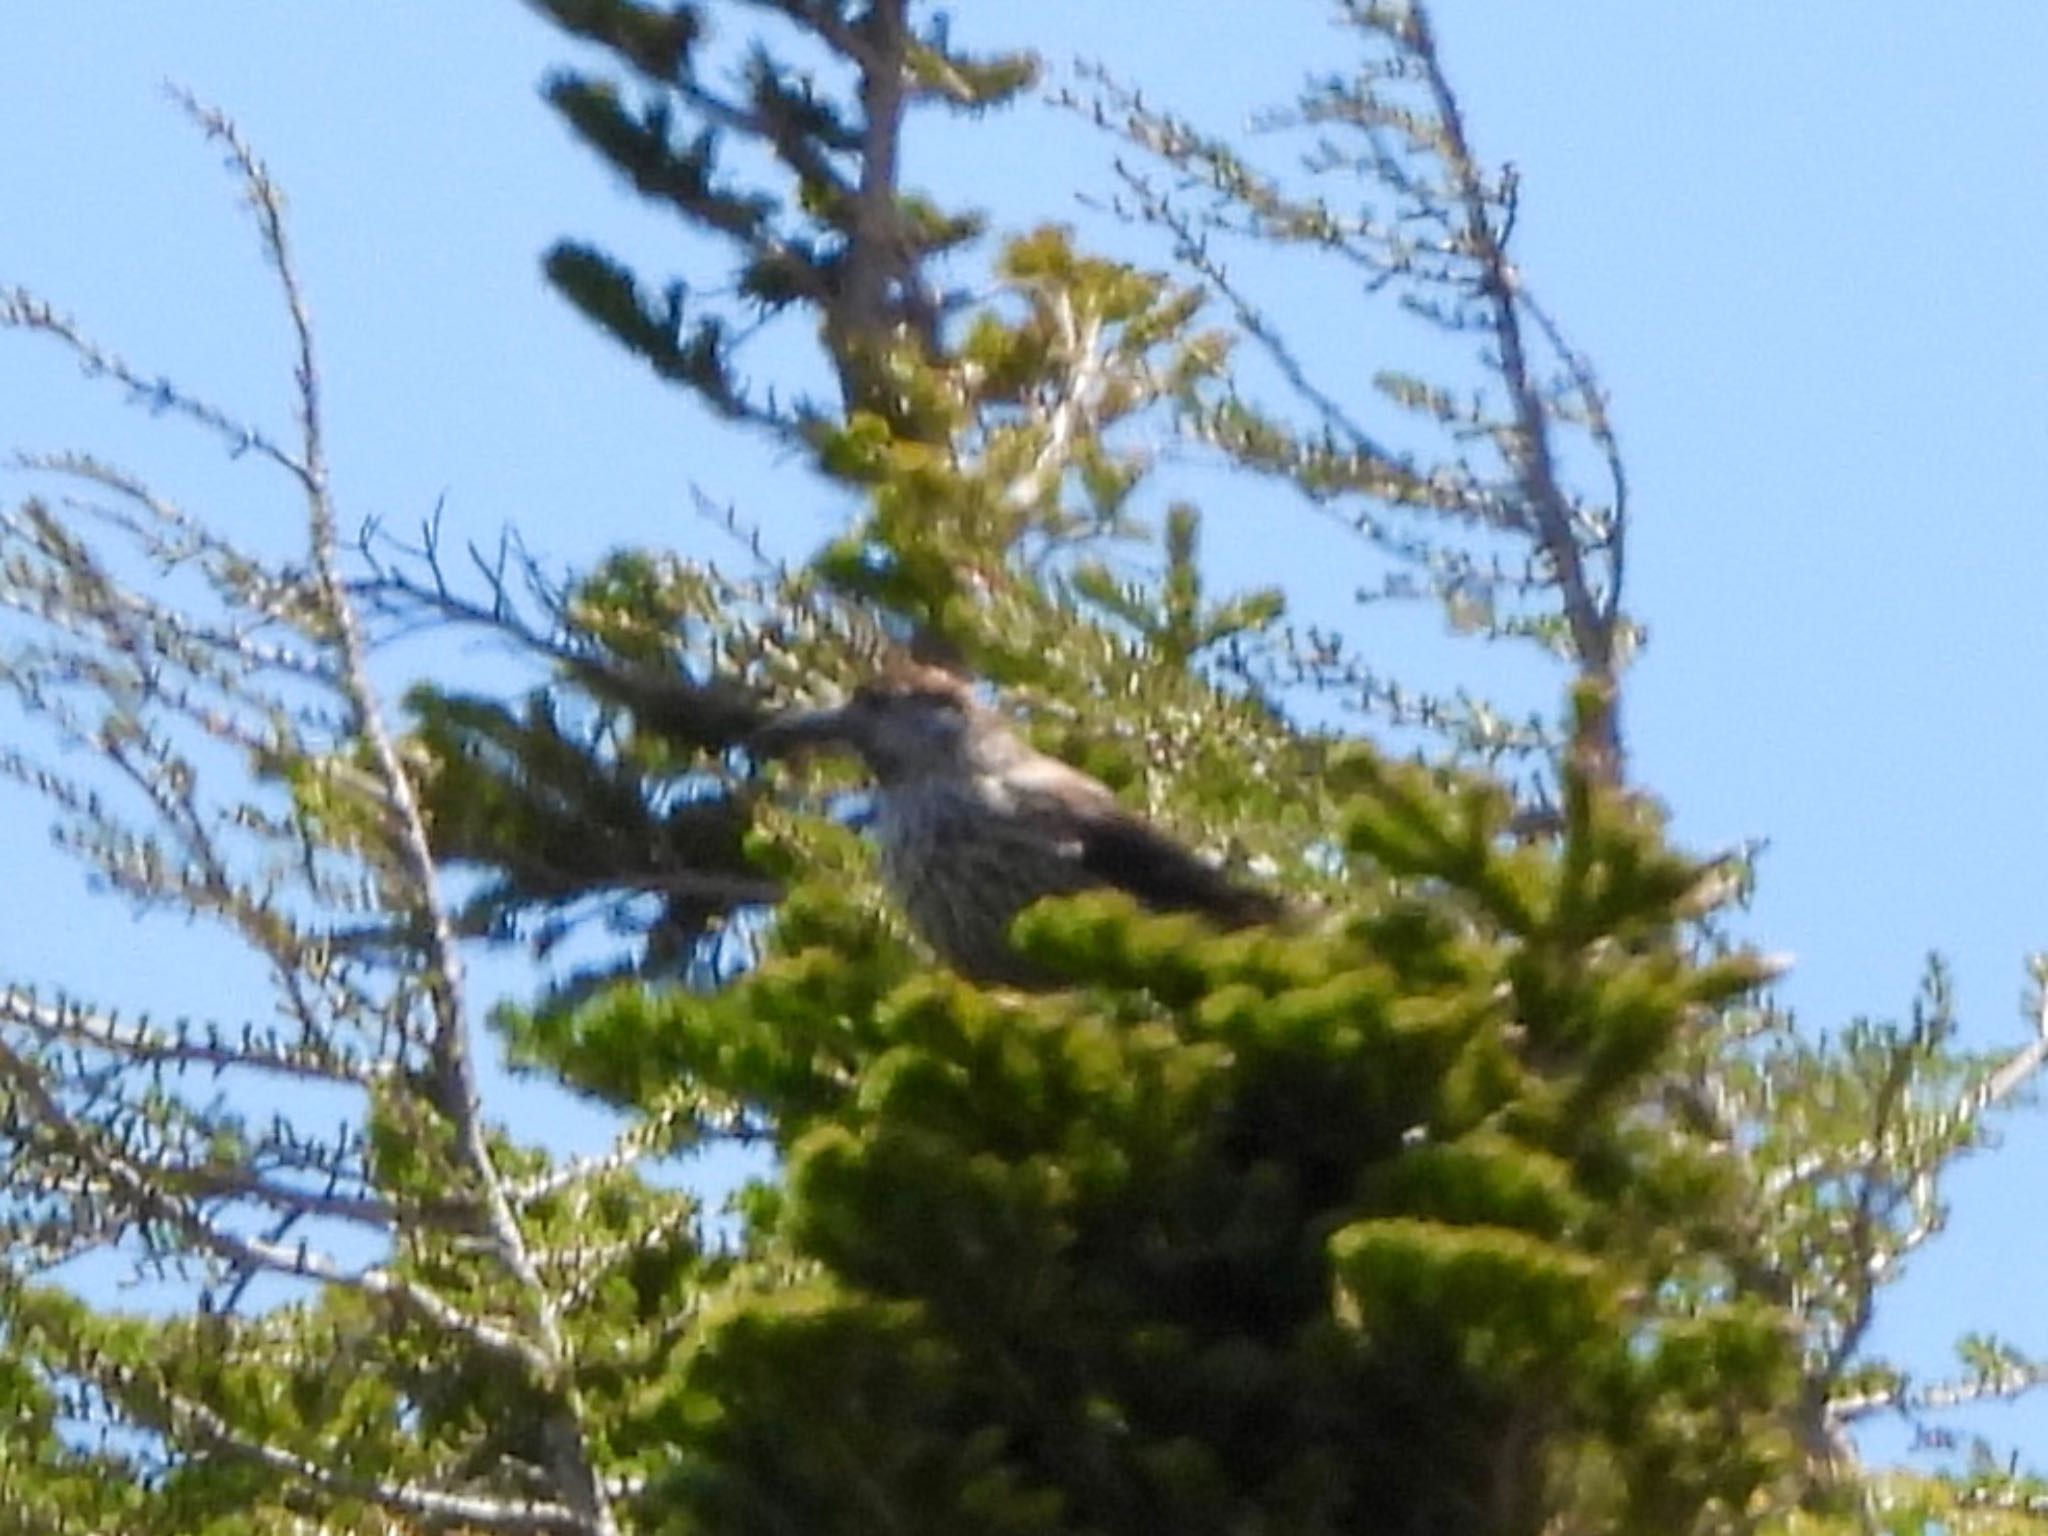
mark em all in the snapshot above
pixel 1484 1196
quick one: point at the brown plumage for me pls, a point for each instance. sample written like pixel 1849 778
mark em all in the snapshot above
pixel 974 825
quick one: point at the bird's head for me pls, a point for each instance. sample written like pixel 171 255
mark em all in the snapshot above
pixel 910 723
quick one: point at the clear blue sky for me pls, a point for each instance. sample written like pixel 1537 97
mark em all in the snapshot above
pixel 1800 241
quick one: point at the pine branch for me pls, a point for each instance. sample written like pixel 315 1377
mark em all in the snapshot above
pixel 200 1426
pixel 448 1046
pixel 1500 286
pixel 22 310
pixel 147 1199
pixel 688 1117
pixel 69 1022
pixel 1442 253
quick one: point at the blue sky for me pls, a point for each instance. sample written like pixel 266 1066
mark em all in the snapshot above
pixel 1800 242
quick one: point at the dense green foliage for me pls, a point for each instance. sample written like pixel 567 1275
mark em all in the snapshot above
pixel 1347 1230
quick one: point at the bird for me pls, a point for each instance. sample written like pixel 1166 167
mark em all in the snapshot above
pixel 974 824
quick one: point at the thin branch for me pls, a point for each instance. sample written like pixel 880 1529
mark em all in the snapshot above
pixel 239 1183
pixel 450 1047
pixel 1866 1271
pixel 208 1046
pixel 1592 397
pixel 660 1132
pixel 22 310
pixel 150 1201
pixel 2015 1381
pixel 204 1427
pixel 2018 1070
pixel 823 21
pixel 1500 287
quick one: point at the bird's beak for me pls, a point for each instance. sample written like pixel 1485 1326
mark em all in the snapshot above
pixel 802 729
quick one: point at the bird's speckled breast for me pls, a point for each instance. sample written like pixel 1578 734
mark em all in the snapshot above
pixel 963 865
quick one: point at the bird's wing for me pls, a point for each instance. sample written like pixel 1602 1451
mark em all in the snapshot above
pixel 1119 849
